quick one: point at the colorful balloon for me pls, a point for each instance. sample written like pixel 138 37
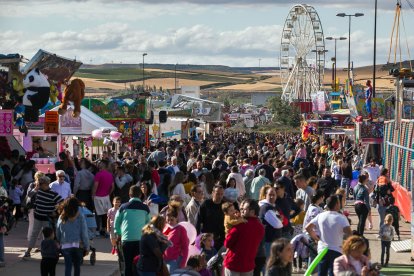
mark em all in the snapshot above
pixel 97 134
pixel 191 231
pixel 115 135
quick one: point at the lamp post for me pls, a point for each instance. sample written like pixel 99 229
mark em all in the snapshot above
pixel 318 56
pixel 349 37
pixel 375 50
pixel 143 71
pixel 335 39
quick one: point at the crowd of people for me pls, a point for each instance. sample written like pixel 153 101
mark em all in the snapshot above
pixel 259 203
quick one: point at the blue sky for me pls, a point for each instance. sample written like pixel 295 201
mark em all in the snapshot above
pixel 226 32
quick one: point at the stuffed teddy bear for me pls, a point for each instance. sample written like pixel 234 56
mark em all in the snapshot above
pixel 37 94
pixel 74 92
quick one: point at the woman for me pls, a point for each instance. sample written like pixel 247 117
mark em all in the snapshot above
pixel 191 181
pixel 145 197
pixel 25 176
pixel 30 200
pixel 175 256
pixel 72 234
pixel 84 182
pixel 177 187
pixel 362 206
pixel 175 202
pixel 337 171
pixel 152 245
pixel 353 258
pixel 281 258
pixel 231 193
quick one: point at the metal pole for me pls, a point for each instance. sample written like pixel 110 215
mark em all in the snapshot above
pixel 175 79
pixel 375 51
pixel 143 72
pixel 349 48
pixel 335 68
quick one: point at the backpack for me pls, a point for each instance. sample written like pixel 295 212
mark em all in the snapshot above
pixel 393 210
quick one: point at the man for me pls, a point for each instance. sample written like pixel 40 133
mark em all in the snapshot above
pixel 200 169
pixel 157 155
pixel 265 165
pixel 287 182
pixel 60 186
pixel 174 166
pixel 193 206
pixel 45 208
pixel 287 207
pixel 332 226
pixel 373 170
pixel 304 191
pixel 241 251
pixel 102 188
pixel 210 217
pixel 129 220
pixel 258 183
pixel 327 183
pixel 123 181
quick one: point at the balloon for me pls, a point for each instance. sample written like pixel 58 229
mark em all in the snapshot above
pixel 316 261
pixel 115 135
pixel 192 251
pixel 97 133
pixel 191 231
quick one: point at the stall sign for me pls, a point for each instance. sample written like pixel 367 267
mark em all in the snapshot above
pixel 371 132
pixel 51 122
pixel 6 122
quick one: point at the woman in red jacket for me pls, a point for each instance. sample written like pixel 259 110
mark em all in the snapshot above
pixel 175 256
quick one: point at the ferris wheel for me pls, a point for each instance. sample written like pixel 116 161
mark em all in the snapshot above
pixel 302 54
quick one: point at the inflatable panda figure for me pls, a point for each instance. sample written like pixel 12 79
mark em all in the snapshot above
pixel 37 94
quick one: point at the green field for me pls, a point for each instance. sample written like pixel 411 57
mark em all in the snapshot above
pixel 135 74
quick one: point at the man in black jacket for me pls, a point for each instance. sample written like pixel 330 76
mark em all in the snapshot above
pixel 211 217
pixel 327 183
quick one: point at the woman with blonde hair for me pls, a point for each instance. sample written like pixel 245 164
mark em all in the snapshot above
pixel 30 200
pixel 263 192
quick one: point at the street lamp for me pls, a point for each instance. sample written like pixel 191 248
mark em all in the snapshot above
pixel 335 39
pixel 318 56
pixel 143 71
pixel 349 37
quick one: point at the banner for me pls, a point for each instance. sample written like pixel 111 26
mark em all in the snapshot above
pixel 69 124
pixel 6 122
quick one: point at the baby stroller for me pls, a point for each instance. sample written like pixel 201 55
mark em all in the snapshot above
pixel 91 223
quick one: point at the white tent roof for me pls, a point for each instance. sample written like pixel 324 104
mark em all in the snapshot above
pixel 90 122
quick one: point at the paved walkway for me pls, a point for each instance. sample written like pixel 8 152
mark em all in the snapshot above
pixel 15 246
pixel 107 265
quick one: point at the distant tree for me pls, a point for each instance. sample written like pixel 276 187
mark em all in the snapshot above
pixel 283 112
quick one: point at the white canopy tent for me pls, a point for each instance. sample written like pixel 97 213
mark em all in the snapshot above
pixel 89 120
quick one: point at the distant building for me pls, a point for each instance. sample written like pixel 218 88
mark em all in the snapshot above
pixel 260 98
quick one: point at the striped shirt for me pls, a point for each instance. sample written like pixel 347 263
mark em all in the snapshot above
pixel 45 204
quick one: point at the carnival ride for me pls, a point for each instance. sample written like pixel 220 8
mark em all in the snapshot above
pixel 302 54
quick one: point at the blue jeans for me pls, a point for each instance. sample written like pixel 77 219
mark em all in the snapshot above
pixel 1 248
pixel 72 256
pixel 326 264
pixel 381 213
pixel 345 185
pixel 173 265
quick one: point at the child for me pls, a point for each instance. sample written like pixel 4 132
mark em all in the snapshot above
pixel 386 234
pixel 49 249
pixel 297 221
pixel 300 244
pixel 395 212
pixel 15 194
pixel 231 216
pixel 110 222
pixel 206 244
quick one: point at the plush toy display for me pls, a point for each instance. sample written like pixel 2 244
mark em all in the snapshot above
pixel 74 92
pixel 36 96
